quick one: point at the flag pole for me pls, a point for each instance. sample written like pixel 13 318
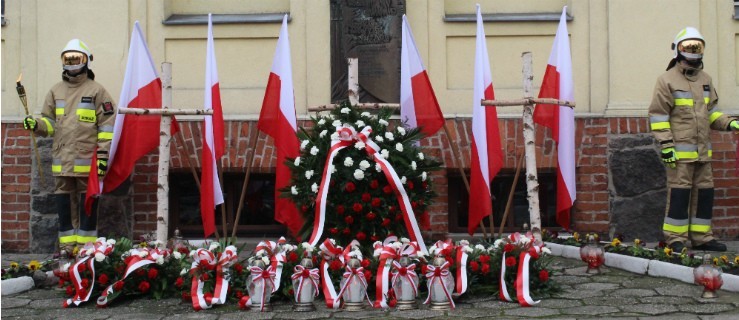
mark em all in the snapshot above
pixel 189 162
pixel 247 163
pixel 519 164
pixel 224 221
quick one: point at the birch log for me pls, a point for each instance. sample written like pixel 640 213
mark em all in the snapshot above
pixel 164 140
pixel 529 136
pixel 353 84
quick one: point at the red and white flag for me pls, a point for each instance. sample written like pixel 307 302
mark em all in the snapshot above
pixel 418 105
pixel 558 84
pixel 133 135
pixel 211 194
pixel 277 119
pixel 487 155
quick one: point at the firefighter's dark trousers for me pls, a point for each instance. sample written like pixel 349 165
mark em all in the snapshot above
pixel 75 226
pixel 689 203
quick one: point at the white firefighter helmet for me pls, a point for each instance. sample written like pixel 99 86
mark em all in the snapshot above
pixel 690 43
pixel 76 55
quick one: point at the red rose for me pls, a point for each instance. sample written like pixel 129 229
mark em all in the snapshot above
pixel 291 292
pixel 371 216
pixel 238 267
pixel 410 185
pixel 398 217
pixel 82 267
pixel 485 268
pixel 474 266
pixel 346 231
pixel 239 294
pixel 334 231
pixel 357 207
pixel 180 281
pixel 368 275
pixel 349 219
pixel 340 210
pixel 335 265
pixel 484 258
pixel 144 286
pixel 292 256
pixel 84 283
pixel 140 272
pixel 205 276
pixel 392 303
pixel 424 185
pixel 424 269
pixel 153 273
pixel 366 197
pixel 533 253
pixel 183 250
pixel 103 279
pixel 543 275
pixel 387 189
pixel 391 209
pixel 365 263
pixel 304 208
pixel 414 204
pixel 510 261
pixel 376 202
pixel 508 247
pixel 374 184
pixel 70 291
pixel 385 222
pixel 361 236
pixel 118 285
pixel 374 238
pixel 186 296
pixel 349 187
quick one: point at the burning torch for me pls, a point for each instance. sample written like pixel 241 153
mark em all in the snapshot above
pixel 22 95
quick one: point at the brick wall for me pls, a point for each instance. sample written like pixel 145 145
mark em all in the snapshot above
pixel 591 212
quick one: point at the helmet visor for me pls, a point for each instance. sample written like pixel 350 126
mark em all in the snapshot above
pixel 691 46
pixel 73 58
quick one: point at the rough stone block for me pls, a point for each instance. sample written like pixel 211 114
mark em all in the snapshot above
pixel 636 171
pixel 639 217
pixel 44 232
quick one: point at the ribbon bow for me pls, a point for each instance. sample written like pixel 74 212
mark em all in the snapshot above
pixel 348 275
pixel 265 276
pixel 86 255
pixel 330 251
pixel 302 274
pixel 440 273
pixel 407 272
pixel 530 249
pixel 387 252
pixel 205 259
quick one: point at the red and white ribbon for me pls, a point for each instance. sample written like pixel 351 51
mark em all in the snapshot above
pixel 277 256
pixel 349 274
pixel 87 258
pixel 348 136
pixel 440 273
pixel 522 281
pixel 204 259
pixel 264 276
pixel 330 251
pixel 228 257
pixel 503 288
pixel 139 259
pixel 387 254
pixel 461 260
pixel 530 249
pixel 407 272
pixel 303 275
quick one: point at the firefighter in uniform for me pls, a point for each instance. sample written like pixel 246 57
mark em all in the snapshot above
pixel 79 114
pixel 681 114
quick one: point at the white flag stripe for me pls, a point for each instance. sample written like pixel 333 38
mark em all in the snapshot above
pixel 561 58
pixel 282 67
pixel 211 79
pixel 407 105
pixel 482 80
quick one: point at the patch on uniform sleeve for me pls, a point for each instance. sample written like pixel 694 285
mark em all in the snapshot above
pixel 108 108
pixel 86 99
pixel 706 88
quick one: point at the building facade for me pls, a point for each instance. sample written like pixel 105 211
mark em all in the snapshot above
pixel 618 50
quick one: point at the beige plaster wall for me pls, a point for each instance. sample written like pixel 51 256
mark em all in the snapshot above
pixel 619 47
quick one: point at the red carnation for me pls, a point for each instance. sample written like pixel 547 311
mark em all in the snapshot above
pixel 291 292
pixel 304 208
pixel 153 273
pixel 510 261
pixel 335 265
pixel 70 291
pixel 144 286
pixel 410 185
pixel 508 247
pixel 186 296
pixel 543 275
pixel 371 216
pixel 484 258
pixel 292 257
pixel 424 269
pixel 387 189
pixel 349 187
pixel 385 222
pixel 103 279
pixel 340 210
pixel 414 204
pixel 361 236
pixel 346 231
pixel 376 202
pixel 140 272
pixel 365 263
pixel 367 275
pixel 84 283
pixel 349 219
pixel 485 268
pixel 357 207
pixel 205 276
pixel 82 267
pixel 366 197
pixel 374 184
pixel 474 266
pixel 180 281
pixel 239 294
pixel 398 217
pixel 118 285
pixel 239 268
pixel 424 185
pixel 391 209
pixel 334 231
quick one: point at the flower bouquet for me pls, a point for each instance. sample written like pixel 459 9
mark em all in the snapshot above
pixel 207 281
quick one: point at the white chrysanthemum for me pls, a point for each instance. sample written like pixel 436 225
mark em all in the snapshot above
pixel 160 260
pixel 345 110
pixel 143 253
pixel 306 246
pixel 379 139
pixel 366 114
pixel 383 122
pixel 297 161
pixel 420 254
pixel 424 176
pixel 546 250
pixel 331 116
pixel 65 267
pixel 99 257
pixel 389 136
pixel 314 150
pixel 498 243
pixel 359 145
pixel 364 164
pixel 335 136
pixel 348 162
pixel 401 130
pixel 294 190
pixel 420 156
pixel 358 174
pixel 314 187
pixel 525 240
pixel 385 154
pixel 403 179
pixel 261 252
pixel 308 174
pixel 336 123
pixel 111 242
pixel 213 246
pixel 304 144
pixel 399 147
pixel 323 133
pixel 378 167
pixel 177 255
pixel 321 122
pixel 479 247
pixel 413 165
pixel 89 251
pixel 332 168
pixel 360 124
pixel 265 260
pixel 468 249
pixel 464 242
pixel 183 271
pixel 396 245
pixel 404 240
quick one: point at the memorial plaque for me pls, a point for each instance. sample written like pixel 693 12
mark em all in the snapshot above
pixel 369 30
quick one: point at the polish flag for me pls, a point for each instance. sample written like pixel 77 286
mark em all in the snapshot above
pixel 211 194
pixel 277 119
pixel 558 84
pixel 418 105
pixel 487 157
pixel 134 136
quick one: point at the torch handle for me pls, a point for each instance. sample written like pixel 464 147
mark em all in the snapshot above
pixel 22 95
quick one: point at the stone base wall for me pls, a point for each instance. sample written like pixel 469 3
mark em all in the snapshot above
pixel 620 178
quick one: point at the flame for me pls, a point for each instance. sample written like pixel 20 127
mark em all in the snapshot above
pixel 20 76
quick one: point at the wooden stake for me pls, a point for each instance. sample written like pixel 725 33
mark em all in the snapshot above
pixel 164 140
pixel 519 164
pixel 224 221
pixel 189 163
pixel 250 158
pixel 529 135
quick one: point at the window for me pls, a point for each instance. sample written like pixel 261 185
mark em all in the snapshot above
pixel 257 215
pixel 519 212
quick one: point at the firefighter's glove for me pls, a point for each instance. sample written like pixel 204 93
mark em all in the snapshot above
pixel 669 157
pixel 29 123
pixel 734 125
pixel 102 166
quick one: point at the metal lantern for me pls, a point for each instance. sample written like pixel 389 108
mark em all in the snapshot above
pixel 708 276
pixel 405 284
pixel 353 286
pixel 259 286
pixel 441 286
pixel 593 255
pixel 305 285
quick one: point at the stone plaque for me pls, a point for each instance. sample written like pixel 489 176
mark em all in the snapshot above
pixel 369 30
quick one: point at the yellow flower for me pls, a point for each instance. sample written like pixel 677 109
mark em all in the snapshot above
pixel 668 251
pixel 637 242
pixel 724 259
pixel 736 260
pixel 576 236
pixel 615 242
pixel 715 261
pixel 143 244
pixel 14 265
pixel 75 251
pixel 34 265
